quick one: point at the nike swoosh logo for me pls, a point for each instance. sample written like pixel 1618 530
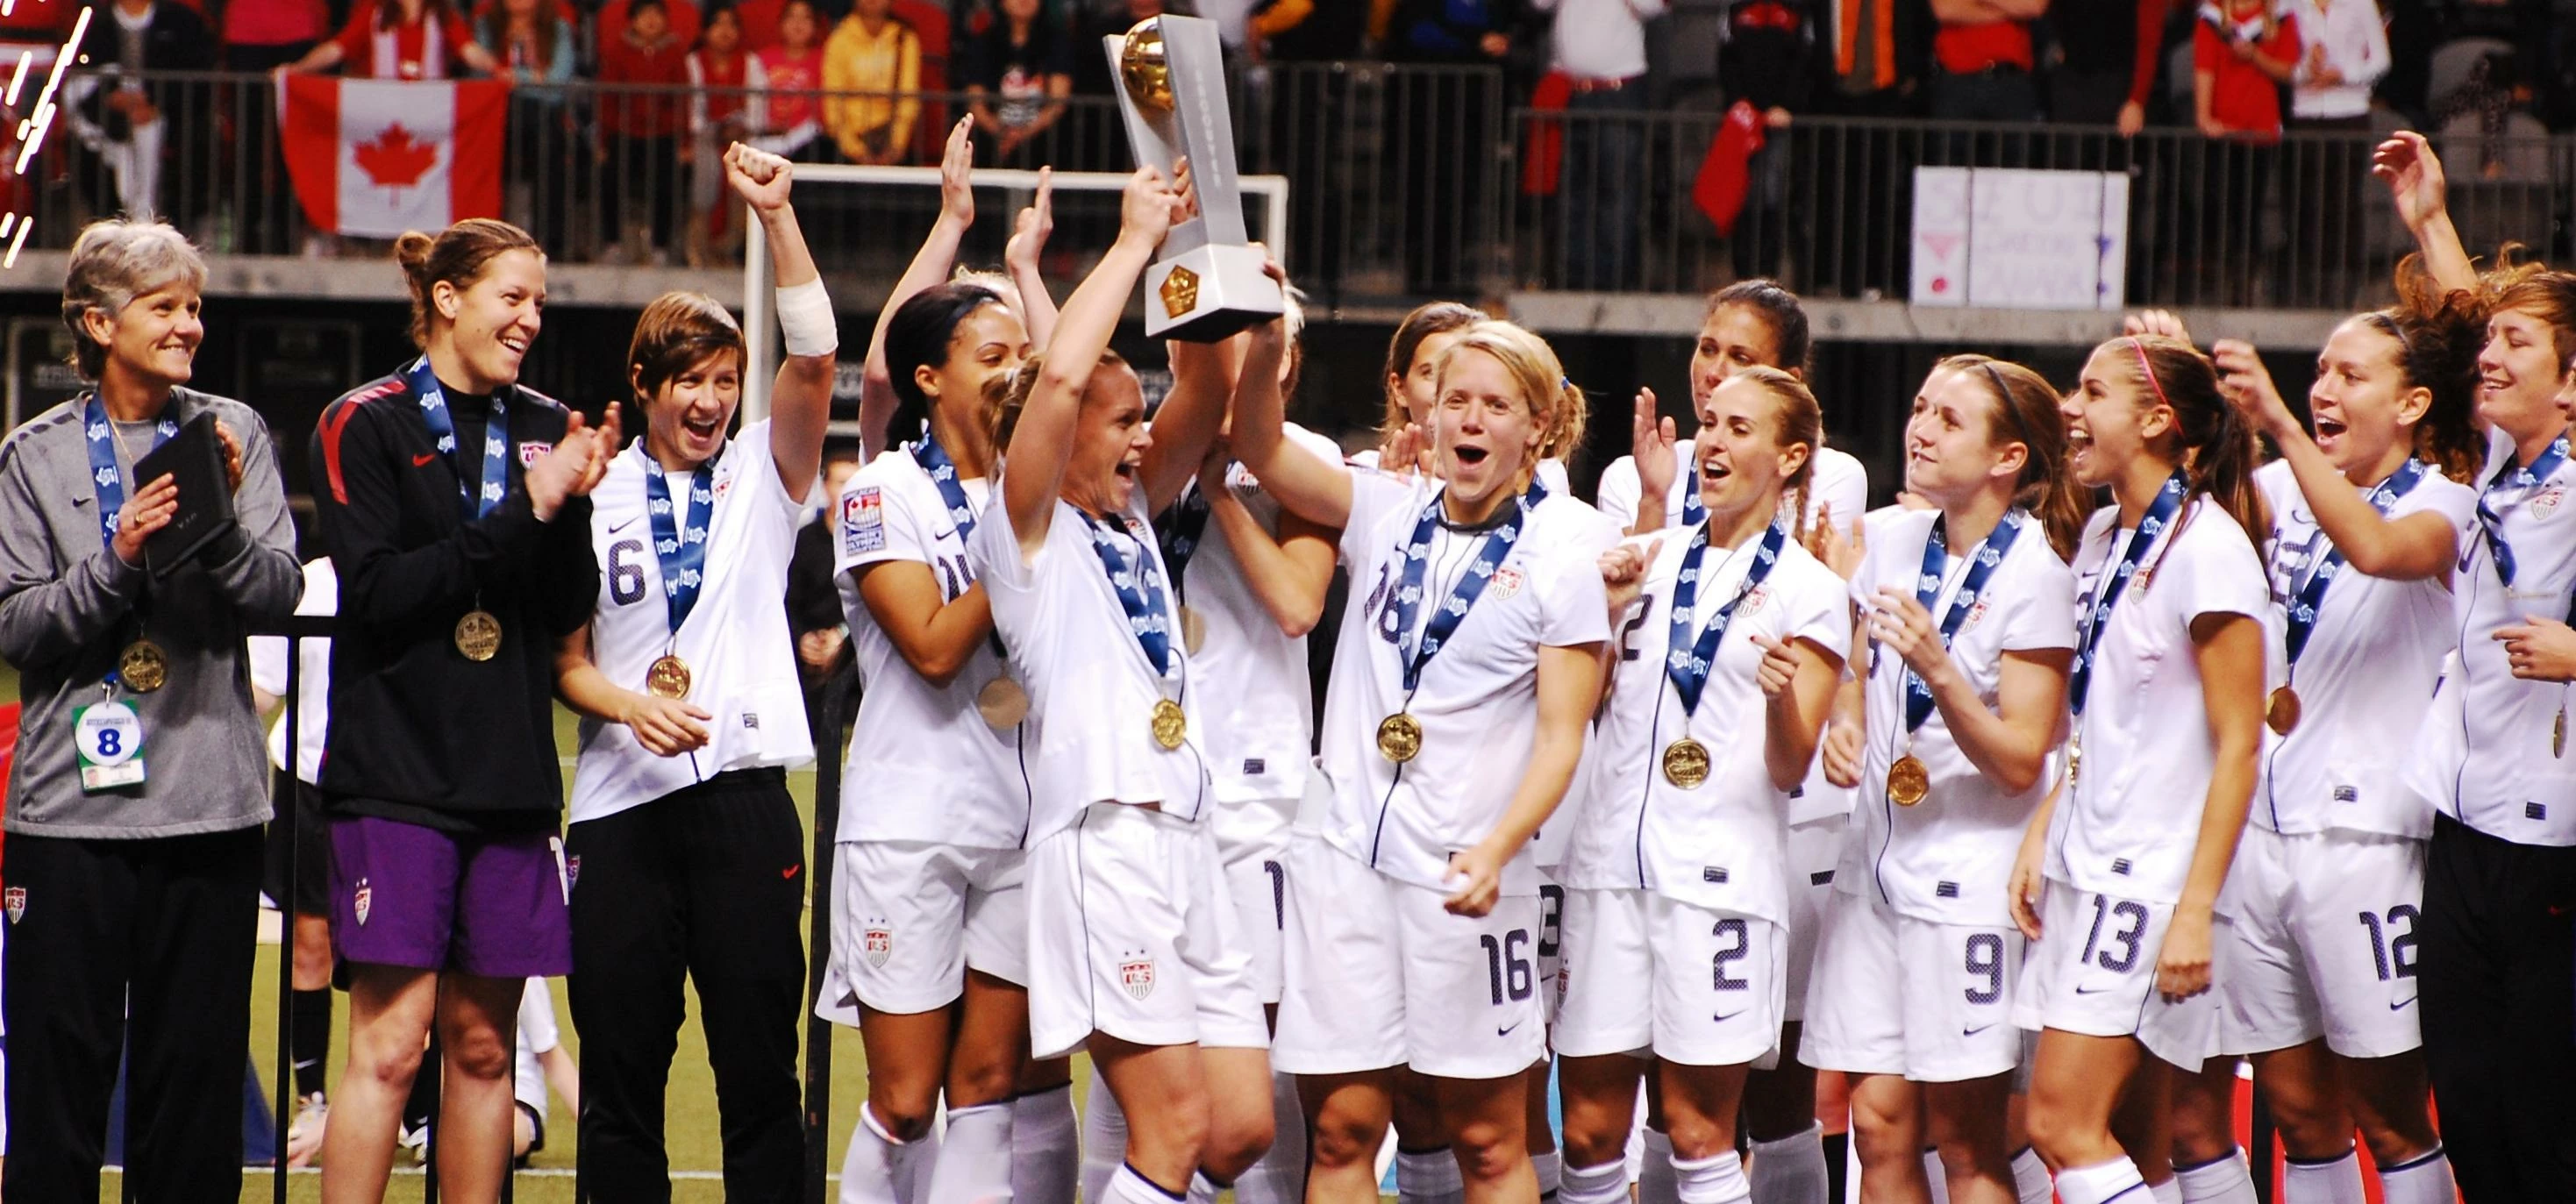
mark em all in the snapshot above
pixel 1974 1031
pixel 422 461
pixel 2090 990
pixel 1723 1017
pixel 1505 1032
pixel 790 871
pixel 945 534
pixel 622 526
pixel 2401 1005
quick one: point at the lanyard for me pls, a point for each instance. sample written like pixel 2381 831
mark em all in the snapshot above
pixel 1687 661
pixel 2303 606
pixel 681 547
pixel 1927 589
pixel 442 430
pixel 1407 604
pixel 1183 527
pixel 2115 583
pixel 2491 520
pixel 104 474
pixel 1140 590
pixel 934 460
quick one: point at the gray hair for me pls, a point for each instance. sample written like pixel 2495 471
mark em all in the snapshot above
pixel 113 262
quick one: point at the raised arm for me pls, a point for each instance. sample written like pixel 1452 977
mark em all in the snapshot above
pixel 930 266
pixel 2417 547
pixel 1044 436
pixel 1028 241
pixel 2413 173
pixel 800 396
pixel 1309 486
pixel 1291 572
pixel 1185 426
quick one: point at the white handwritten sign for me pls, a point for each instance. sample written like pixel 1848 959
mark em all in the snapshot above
pixel 2012 239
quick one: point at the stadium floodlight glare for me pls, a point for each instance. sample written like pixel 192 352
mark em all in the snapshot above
pixel 760 322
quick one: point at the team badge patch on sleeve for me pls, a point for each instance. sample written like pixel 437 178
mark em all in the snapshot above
pixel 15 899
pixel 862 521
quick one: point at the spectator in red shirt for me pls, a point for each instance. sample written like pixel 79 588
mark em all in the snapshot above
pixel 720 113
pixel 1982 60
pixel 759 23
pixel 788 75
pixel 643 111
pixel 401 39
pixel 535 41
pixel 683 15
pixel 2242 52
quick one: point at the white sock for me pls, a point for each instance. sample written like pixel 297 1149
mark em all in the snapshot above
pixel 1046 1147
pixel 1429 1177
pixel 2102 1183
pixel 2333 1181
pixel 1551 1172
pixel 1279 1175
pixel 1603 1184
pixel 1203 1190
pixel 2223 1181
pixel 974 1165
pixel 1790 1170
pixel 2030 1177
pixel 1936 1176
pixel 881 1170
pixel 2426 1180
pixel 2167 1192
pixel 1655 1184
pixel 1128 1187
pixel 1104 1140
pixel 1718 1179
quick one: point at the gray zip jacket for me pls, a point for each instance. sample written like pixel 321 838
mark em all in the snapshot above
pixel 68 608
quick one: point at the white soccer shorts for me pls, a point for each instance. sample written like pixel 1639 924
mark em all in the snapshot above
pixel 1894 994
pixel 1694 985
pixel 2094 972
pixel 1252 840
pixel 2323 930
pixel 1132 933
pixel 1815 849
pixel 1380 974
pixel 909 918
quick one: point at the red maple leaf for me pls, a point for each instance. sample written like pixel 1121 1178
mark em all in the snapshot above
pixel 394 159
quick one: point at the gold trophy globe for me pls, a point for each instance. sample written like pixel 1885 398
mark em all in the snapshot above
pixel 1207 283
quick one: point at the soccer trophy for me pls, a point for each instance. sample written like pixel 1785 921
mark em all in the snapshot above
pixel 1208 283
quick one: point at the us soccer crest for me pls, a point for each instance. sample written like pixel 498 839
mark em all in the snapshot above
pixel 1753 601
pixel 1137 975
pixel 877 944
pixel 1506 582
pixel 359 903
pixel 2546 501
pixel 15 899
pixel 531 452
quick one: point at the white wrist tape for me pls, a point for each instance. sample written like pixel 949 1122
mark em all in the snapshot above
pixel 805 320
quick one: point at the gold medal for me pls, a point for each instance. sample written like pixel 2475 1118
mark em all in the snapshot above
pixel 2074 756
pixel 1193 630
pixel 2282 713
pixel 1399 737
pixel 478 635
pixel 1171 724
pixel 668 678
pixel 1003 703
pixel 1686 763
pixel 143 666
pixel 1908 782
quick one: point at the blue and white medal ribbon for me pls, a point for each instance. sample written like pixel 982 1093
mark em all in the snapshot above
pixel 2160 515
pixel 1180 531
pixel 2281 710
pixel 681 547
pixel 942 470
pixel 442 429
pixel 1399 736
pixel 141 666
pixel 2491 520
pixel 1909 781
pixel 1687 661
pixel 1149 615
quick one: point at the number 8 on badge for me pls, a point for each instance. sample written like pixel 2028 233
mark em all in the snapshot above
pixel 108 738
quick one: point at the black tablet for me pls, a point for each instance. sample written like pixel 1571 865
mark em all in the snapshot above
pixel 194 460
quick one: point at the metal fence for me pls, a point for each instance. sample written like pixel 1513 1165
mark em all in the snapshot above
pixel 1407 182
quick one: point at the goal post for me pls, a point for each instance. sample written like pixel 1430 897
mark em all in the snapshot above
pixel 759 317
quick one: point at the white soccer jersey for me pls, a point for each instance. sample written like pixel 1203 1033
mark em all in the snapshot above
pixel 1551 473
pixel 1477 699
pixel 2501 773
pixel 742 663
pixel 923 764
pixel 268 675
pixel 1723 844
pixel 1092 691
pixel 2364 676
pixel 1259 706
pixel 1839 482
pixel 2134 820
pixel 1946 860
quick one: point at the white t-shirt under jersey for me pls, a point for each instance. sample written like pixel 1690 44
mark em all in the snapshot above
pixel 923 764
pixel 2134 821
pixel 742 662
pixel 1091 689
pixel 268 675
pixel 1946 860
pixel 2363 679
pixel 1839 482
pixel 1477 699
pixel 2489 731
pixel 1724 844
pixel 1260 708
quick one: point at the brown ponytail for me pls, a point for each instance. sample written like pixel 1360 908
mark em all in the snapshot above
pixel 1801 421
pixel 2025 412
pixel 457 257
pixel 2438 334
pixel 2217 447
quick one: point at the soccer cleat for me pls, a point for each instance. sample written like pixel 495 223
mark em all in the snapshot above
pixel 304 1137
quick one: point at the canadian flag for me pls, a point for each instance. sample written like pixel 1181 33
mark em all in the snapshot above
pixel 378 157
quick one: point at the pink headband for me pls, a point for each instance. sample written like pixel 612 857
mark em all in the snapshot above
pixel 2150 372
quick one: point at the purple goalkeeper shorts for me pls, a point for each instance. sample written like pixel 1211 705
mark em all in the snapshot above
pixel 405 895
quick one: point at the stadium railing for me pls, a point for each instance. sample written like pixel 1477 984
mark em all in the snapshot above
pixel 1408 182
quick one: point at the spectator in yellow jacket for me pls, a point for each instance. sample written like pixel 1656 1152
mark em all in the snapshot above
pixel 871 83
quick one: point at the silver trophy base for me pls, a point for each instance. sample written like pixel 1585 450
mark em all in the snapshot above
pixel 1210 293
